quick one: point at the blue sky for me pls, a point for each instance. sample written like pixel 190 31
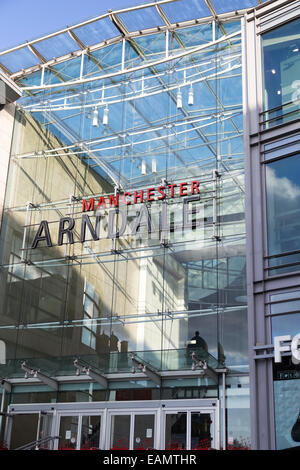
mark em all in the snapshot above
pixel 24 20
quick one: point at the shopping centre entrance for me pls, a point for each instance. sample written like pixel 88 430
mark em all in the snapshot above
pixel 166 425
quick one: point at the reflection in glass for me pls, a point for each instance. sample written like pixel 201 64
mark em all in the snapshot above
pixel 283 203
pixel 286 324
pixel 287 410
pixel 281 66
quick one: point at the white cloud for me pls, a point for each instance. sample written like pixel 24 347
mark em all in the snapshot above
pixel 282 187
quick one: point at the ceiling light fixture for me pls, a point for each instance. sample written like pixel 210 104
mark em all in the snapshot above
pixel 191 96
pixel 179 99
pixel 95 122
pixel 105 116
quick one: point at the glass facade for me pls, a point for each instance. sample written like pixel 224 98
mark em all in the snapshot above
pixel 280 62
pixel 177 265
pixel 124 226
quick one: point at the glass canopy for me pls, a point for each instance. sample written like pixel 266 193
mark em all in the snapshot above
pixel 156 15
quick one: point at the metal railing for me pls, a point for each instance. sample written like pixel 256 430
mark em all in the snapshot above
pixel 39 444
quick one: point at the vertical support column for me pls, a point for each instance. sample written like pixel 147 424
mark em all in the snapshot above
pixel 158 428
pixel 7 115
pixel 123 54
pixel 82 64
pixel 216 175
pixel 2 406
pixel 167 43
pixel 42 75
pixel 23 257
pixel 104 430
pixel 224 410
pixel 38 430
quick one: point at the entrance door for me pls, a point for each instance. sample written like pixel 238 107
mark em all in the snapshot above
pixel 79 431
pixel 192 429
pixel 38 430
pixel 132 431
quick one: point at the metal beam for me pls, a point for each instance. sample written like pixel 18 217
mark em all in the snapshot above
pixel 211 8
pixel 76 39
pixel 39 375
pixel 163 15
pixel 142 367
pixel 36 53
pixel 118 24
pixel 5 384
pixel 205 368
pixel 82 367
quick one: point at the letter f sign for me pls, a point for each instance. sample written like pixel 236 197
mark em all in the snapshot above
pixel 279 348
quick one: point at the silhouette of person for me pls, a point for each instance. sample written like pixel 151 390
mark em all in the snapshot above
pixel 197 345
pixel 198 342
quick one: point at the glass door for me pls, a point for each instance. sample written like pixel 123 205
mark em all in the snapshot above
pixel 68 432
pixel 201 430
pixel 44 430
pixel 189 429
pixel 79 432
pixel 132 430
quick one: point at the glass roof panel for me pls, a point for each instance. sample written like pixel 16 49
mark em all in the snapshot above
pixel 96 32
pixel 105 59
pixel 56 46
pixel 231 5
pixel 196 35
pixel 65 71
pixel 18 60
pixel 34 79
pixel 184 10
pixel 141 19
pixel 227 27
pixel 152 46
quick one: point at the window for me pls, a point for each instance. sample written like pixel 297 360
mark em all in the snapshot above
pixel 285 320
pixel 91 312
pixel 283 214
pixel 281 70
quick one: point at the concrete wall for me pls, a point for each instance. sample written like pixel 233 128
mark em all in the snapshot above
pixel 6 130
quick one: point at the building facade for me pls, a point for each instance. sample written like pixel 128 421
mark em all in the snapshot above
pixel 148 246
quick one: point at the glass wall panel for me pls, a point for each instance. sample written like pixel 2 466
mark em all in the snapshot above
pixel 238 413
pixel 287 413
